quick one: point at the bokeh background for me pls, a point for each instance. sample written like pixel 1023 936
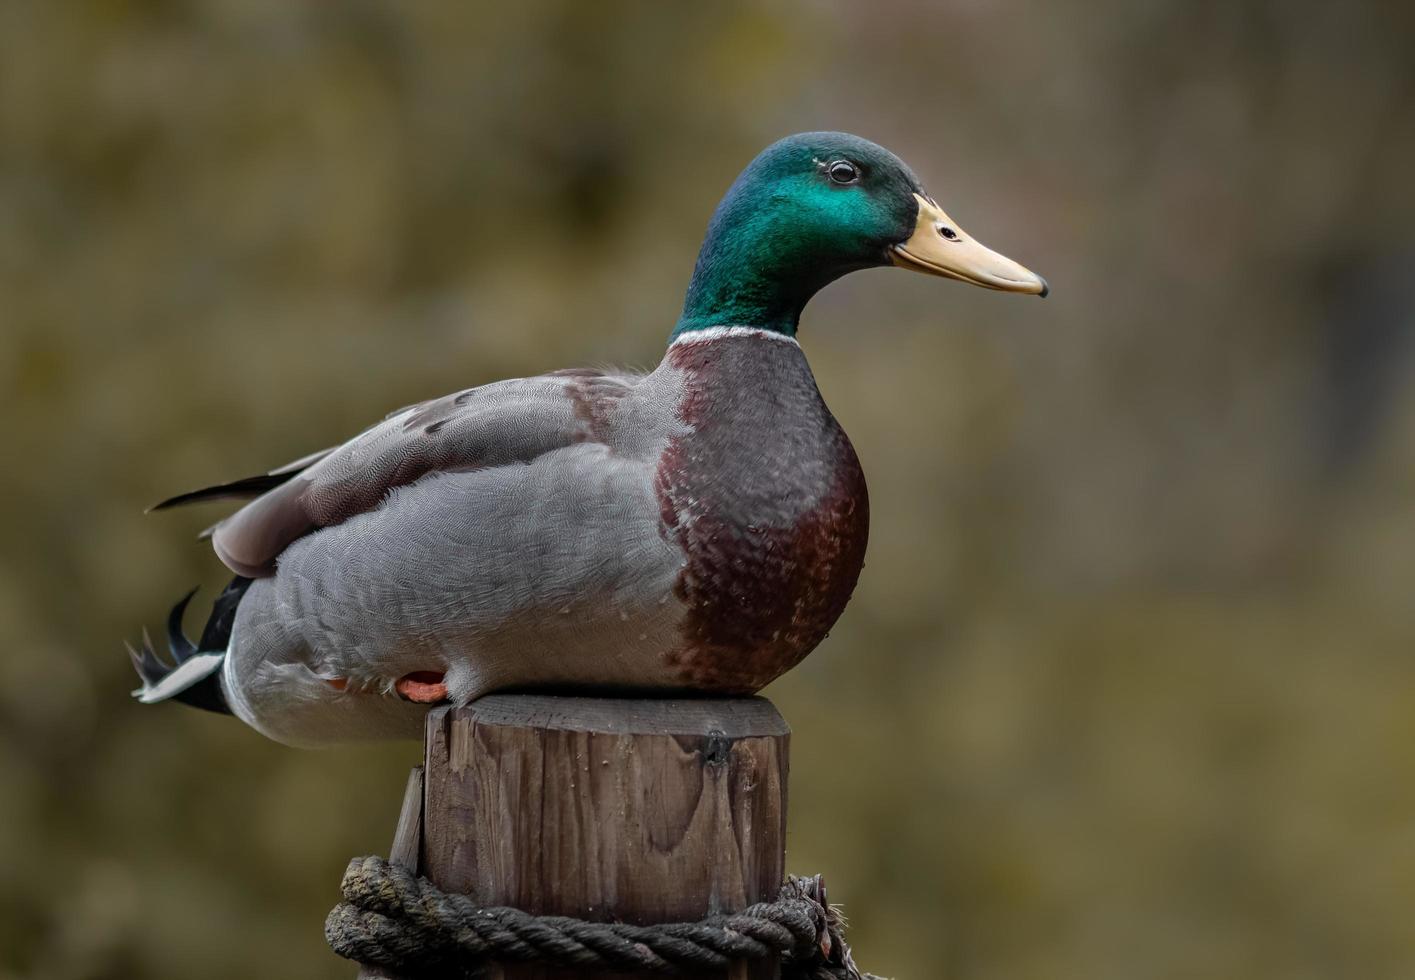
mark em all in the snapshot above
pixel 1128 687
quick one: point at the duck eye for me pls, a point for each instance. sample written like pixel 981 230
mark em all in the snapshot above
pixel 843 172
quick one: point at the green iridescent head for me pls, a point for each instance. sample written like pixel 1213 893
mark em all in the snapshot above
pixel 811 208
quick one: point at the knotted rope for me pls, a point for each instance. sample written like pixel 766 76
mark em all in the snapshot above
pixel 392 918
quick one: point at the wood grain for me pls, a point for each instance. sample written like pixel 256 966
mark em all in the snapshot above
pixel 610 809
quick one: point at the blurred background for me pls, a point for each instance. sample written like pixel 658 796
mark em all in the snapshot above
pixel 1128 686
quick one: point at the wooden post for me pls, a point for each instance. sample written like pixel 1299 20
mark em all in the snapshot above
pixel 628 810
pixel 407 843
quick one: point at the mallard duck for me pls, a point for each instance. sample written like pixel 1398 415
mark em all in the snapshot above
pixel 699 527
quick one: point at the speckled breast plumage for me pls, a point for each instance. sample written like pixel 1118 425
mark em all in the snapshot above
pixel 766 497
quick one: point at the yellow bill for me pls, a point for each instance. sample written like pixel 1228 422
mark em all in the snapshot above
pixel 939 247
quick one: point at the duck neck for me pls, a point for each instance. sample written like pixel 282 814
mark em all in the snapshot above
pixel 737 293
pixel 754 270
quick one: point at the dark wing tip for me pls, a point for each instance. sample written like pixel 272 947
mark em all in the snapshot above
pixel 243 489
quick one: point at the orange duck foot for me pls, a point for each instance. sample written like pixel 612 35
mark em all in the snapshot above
pixel 422 686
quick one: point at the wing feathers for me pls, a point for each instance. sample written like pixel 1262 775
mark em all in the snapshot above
pixel 245 488
pixel 507 422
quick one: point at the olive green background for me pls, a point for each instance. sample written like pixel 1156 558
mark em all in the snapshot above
pixel 1128 686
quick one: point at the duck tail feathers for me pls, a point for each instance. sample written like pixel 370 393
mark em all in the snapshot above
pixel 193 677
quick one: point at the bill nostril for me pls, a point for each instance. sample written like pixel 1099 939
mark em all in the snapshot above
pixel 948 233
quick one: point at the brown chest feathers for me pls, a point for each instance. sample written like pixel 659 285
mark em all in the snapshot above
pixel 767 500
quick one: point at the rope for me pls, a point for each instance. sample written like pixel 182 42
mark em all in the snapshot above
pixel 392 918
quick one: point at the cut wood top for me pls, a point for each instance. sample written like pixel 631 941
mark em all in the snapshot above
pixel 726 717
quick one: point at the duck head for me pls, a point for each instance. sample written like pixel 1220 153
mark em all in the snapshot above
pixel 811 208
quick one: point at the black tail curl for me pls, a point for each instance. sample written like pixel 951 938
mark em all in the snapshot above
pixel 205 690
